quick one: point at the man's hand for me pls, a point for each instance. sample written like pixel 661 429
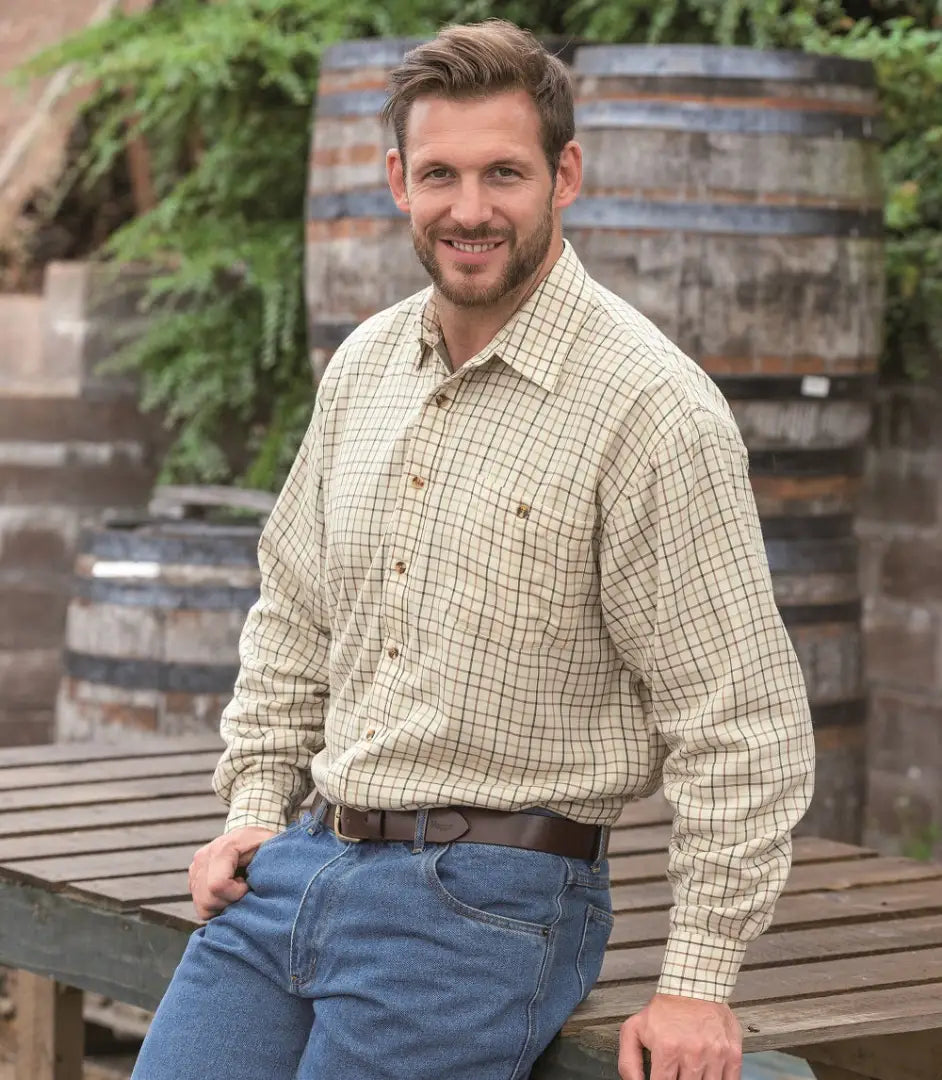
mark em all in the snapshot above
pixel 213 881
pixel 689 1039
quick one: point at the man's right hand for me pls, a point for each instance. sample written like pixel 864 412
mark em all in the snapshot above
pixel 213 881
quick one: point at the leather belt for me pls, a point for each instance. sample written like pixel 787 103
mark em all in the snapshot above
pixel 470 825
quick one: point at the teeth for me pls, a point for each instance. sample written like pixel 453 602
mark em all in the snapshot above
pixel 472 248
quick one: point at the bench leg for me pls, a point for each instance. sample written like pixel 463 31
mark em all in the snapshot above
pixel 50 1032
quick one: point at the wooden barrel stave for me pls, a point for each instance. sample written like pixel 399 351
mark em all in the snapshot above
pixel 153 628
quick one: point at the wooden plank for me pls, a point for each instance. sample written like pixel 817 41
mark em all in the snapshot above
pixel 828 1072
pixel 773 949
pixel 888 970
pixel 196 831
pixel 108 791
pixel 48 753
pixel 131 892
pixel 113 864
pixel 913 1056
pixel 24 822
pixel 645 838
pixel 107 952
pixel 786 1025
pixel 50 1032
pixel 802 879
pixel 177 914
pixel 655 810
pixel 40 776
pixel 852 905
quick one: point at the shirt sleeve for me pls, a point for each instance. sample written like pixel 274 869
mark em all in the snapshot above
pixel 688 601
pixel 274 723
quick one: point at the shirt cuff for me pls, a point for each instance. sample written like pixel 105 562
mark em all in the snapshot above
pixel 700 966
pixel 257 807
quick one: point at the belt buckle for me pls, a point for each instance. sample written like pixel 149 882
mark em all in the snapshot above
pixel 339 834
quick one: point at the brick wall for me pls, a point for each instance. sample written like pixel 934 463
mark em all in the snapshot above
pixel 73 447
pixel 900 530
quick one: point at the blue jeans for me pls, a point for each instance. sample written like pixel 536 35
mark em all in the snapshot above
pixel 383 961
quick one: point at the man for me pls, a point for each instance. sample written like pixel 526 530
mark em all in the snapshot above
pixel 514 580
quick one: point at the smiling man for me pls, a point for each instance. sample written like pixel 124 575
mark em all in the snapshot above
pixel 514 580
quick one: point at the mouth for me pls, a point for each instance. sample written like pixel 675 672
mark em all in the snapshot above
pixel 476 251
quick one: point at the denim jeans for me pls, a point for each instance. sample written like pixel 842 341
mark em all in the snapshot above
pixel 383 961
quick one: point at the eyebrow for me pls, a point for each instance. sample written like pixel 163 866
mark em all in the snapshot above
pixel 498 163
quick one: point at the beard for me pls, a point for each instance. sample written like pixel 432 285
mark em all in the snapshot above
pixel 524 259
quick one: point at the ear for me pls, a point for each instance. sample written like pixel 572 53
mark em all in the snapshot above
pixel 568 175
pixel 395 175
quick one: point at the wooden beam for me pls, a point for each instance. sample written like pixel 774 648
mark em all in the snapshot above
pixel 911 1056
pixel 831 1072
pixel 50 1032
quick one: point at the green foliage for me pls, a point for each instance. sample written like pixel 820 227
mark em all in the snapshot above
pixel 222 91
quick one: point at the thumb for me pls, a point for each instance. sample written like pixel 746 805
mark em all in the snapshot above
pixel 630 1054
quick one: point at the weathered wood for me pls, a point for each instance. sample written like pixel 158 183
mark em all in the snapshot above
pixel 913 1056
pixel 50 1032
pixel 818 876
pixel 127 748
pixel 35 777
pixel 612 1001
pixel 776 949
pixel 74 842
pixel 852 905
pixel 107 952
pixel 130 892
pixel 22 822
pixel 170 499
pixel 176 914
pixel 807 1021
pixel 115 864
pixel 67 797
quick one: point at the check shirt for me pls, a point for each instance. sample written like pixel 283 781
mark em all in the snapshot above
pixel 537 581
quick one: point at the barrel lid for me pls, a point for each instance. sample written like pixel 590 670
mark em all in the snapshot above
pixel 726 62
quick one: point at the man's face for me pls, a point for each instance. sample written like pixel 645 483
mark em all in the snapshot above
pixel 480 195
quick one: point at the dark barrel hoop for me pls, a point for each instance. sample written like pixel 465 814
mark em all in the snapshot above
pixel 153 626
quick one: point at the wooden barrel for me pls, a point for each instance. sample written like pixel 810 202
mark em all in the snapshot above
pixel 734 197
pixel 359 253
pixel 152 628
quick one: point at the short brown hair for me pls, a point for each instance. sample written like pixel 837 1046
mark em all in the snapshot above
pixel 477 60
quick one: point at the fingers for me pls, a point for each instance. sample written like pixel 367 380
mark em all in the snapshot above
pixel 213 880
pixel 630 1053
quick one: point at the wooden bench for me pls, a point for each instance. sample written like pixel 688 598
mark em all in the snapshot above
pixel 95 841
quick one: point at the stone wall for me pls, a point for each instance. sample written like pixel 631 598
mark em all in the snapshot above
pixel 900 530
pixel 73 447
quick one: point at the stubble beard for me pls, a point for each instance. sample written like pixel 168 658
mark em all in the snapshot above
pixel 523 261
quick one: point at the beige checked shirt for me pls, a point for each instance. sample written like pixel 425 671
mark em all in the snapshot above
pixel 538 581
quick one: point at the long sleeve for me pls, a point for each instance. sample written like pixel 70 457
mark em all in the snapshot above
pixel 274 722
pixel 688 601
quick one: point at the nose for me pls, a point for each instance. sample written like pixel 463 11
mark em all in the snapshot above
pixel 471 207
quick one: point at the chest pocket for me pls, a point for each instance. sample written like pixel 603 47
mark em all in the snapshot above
pixel 521 570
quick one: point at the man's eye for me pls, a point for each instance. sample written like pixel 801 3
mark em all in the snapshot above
pixel 436 174
pixel 505 172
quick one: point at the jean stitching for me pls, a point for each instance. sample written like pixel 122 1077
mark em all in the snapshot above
pixel 292 970
pixel 468 912
pixel 592 914
pixel 538 993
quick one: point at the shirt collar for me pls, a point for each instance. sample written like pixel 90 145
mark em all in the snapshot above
pixel 538 336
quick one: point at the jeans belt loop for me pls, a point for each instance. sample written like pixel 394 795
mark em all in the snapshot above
pixel 601 847
pixel 338 810
pixel 421 823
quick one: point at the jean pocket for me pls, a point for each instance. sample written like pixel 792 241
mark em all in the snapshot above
pixel 504 887
pixel 273 841
pixel 595 935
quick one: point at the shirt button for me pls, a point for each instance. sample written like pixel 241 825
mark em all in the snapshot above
pixel 392 651
pixel 523 510
pixel 370 732
pixel 418 482
pixel 442 400
pixel 400 567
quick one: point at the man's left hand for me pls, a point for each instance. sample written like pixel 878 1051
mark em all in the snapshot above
pixel 688 1039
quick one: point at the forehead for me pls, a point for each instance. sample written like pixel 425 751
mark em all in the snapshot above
pixel 498 124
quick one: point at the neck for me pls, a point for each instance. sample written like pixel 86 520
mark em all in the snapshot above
pixel 467 330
